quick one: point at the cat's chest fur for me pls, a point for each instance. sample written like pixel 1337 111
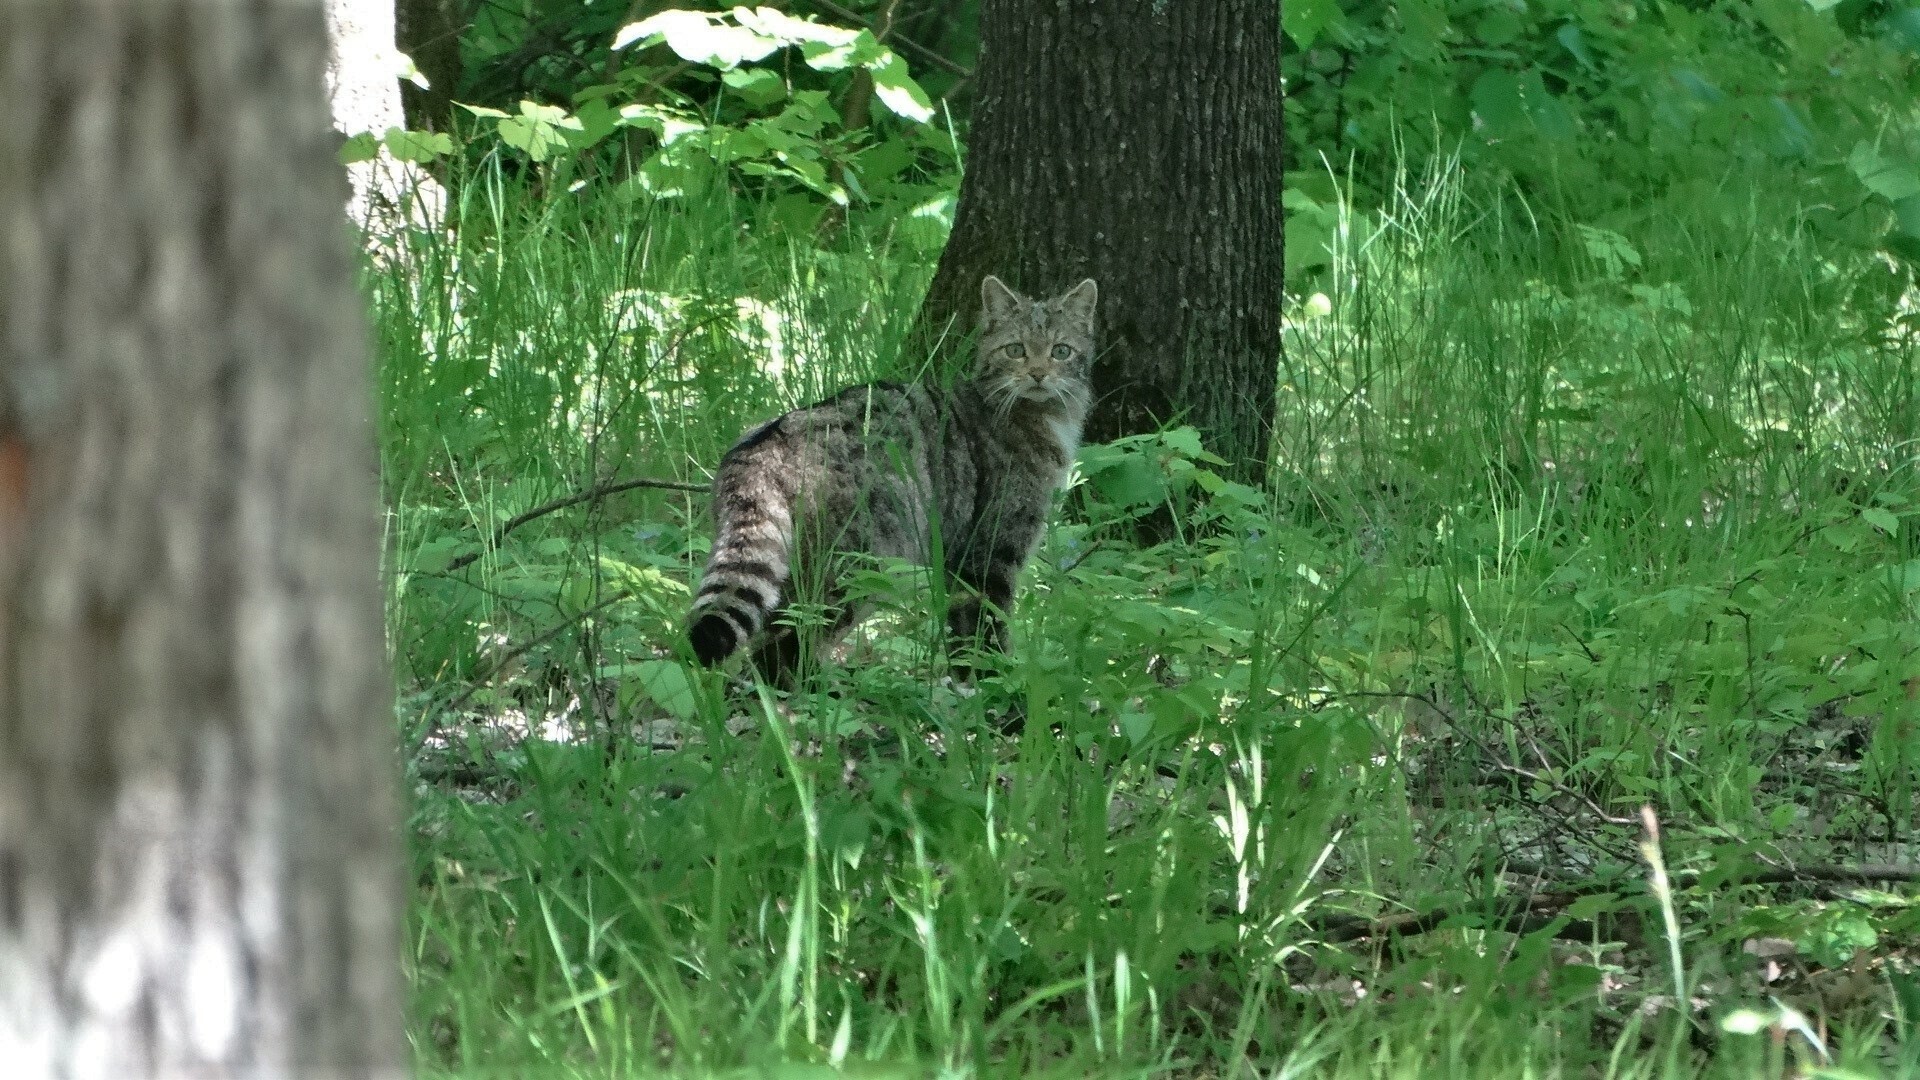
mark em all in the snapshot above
pixel 1036 443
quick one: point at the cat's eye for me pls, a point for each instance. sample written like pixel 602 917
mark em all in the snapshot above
pixel 1063 352
pixel 1016 350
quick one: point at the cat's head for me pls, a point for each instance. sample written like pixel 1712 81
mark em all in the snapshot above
pixel 1037 350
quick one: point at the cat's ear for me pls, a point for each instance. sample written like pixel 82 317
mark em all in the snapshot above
pixel 997 302
pixel 1077 302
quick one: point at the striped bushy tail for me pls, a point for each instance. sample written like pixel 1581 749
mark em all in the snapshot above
pixel 747 570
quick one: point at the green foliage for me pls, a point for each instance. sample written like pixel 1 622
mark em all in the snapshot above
pixel 1595 490
pixel 418 147
pixel 1570 519
pixel 1602 111
pixel 724 105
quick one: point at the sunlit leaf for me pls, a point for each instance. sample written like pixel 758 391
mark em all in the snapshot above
pixel 757 86
pixel 417 146
pixel 861 49
pixel 667 684
pixel 700 38
pixel 895 89
pixel 358 148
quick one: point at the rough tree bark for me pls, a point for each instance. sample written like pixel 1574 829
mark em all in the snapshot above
pixel 429 32
pixel 1136 142
pixel 199 830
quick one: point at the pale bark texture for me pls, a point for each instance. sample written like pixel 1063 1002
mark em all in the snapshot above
pixel 363 90
pixel 199 816
pixel 1137 142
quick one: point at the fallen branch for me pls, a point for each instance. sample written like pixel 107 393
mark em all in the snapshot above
pixel 1533 912
pixel 1537 910
pixel 592 494
pixel 1869 874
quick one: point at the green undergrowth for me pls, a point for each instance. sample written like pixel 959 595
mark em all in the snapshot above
pixel 1346 779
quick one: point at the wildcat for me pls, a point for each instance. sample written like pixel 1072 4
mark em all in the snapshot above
pixel 960 476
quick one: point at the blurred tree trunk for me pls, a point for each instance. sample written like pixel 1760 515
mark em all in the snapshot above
pixel 1137 142
pixel 199 814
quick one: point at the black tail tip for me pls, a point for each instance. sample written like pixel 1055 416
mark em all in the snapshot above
pixel 713 640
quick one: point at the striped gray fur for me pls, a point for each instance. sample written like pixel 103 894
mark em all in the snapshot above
pixel 957 475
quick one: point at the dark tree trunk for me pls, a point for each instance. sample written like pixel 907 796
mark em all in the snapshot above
pixel 199 814
pixel 1136 142
pixel 428 31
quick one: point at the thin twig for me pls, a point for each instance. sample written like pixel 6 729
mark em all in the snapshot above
pixel 1495 760
pixel 1082 557
pixel 534 642
pixel 912 46
pixel 598 491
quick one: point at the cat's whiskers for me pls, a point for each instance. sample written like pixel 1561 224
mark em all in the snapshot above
pixel 1002 393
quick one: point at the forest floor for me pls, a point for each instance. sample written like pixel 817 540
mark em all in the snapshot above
pixel 1551 713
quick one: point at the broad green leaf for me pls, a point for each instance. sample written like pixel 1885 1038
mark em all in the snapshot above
pixel 1614 253
pixel 1881 519
pixel 1496 101
pixel 653 29
pixel 1588 906
pixel 1575 43
pixel 1499 26
pixel 670 125
pixel 1303 20
pixel 642 580
pixel 1133 480
pixel 433 556
pixel 698 37
pixel 1836 935
pixel 1309 234
pixel 1906 216
pixel 358 148
pixel 789 30
pixel 538 130
pixel 1796 140
pixel 597 121
pixel 884 160
pixel 756 86
pixel 1904 27
pixel 1185 439
pixel 862 49
pixel 667 684
pixel 482 110
pixel 1889 179
pixel 1697 86
pixel 417 146
pixel 1549 114
pixel 898 92
pixel 547 114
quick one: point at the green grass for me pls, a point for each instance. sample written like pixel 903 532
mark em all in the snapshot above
pixel 1565 523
